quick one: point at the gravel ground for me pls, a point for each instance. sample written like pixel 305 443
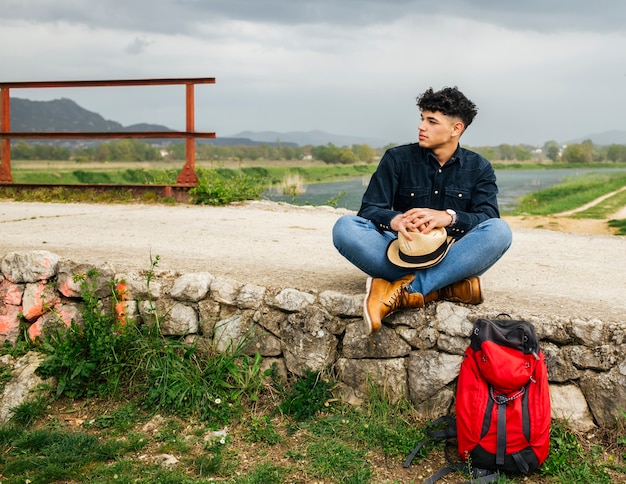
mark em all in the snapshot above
pixel 545 272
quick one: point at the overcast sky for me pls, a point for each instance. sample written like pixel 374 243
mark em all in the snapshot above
pixel 537 69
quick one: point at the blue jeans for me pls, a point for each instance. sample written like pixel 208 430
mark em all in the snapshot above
pixel 360 241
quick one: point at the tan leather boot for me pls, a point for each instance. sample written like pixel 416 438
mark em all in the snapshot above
pixel 383 298
pixel 467 291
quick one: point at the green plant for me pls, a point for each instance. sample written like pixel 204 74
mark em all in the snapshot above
pixel 264 473
pixel 27 412
pixel 261 429
pixel 87 358
pixel 620 225
pixel 217 187
pixel 51 456
pixel 569 462
pixel 308 395
pixel 121 419
pixel 5 376
pixel 178 377
pixel 331 457
pixel 335 200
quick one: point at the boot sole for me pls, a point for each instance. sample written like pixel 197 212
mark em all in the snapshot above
pixel 370 326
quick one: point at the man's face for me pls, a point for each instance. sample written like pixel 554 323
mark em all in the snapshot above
pixel 437 129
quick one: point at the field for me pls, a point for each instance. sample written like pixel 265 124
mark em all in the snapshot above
pixel 228 181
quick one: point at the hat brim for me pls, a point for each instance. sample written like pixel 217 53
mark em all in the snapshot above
pixel 399 259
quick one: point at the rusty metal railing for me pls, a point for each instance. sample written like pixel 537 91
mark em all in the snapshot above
pixel 187 176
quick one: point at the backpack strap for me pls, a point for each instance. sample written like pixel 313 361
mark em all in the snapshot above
pixel 522 465
pixel 501 438
pixel 502 402
pixel 493 477
pixel 449 432
pixel 439 474
pixel 480 476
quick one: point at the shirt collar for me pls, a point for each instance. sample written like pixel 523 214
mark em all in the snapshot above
pixel 458 155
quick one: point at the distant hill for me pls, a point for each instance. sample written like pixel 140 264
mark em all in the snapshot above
pixel 314 138
pixel 612 137
pixel 65 115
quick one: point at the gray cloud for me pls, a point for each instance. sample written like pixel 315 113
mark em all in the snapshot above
pixel 138 45
pixel 538 70
pixel 180 16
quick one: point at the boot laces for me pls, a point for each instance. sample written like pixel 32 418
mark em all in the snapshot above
pixel 399 299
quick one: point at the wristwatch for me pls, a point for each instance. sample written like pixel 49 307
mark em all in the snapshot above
pixel 452 214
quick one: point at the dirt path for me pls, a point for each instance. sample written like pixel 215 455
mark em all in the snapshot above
pixel 594 203
pixel 569 270
pixel 561 223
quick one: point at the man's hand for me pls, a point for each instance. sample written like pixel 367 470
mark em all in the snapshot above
pixel 420 220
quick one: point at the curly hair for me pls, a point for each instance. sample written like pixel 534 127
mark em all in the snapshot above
pixel 449 101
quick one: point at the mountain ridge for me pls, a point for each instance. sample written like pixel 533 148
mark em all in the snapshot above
pixel 314 137
pixel 66 115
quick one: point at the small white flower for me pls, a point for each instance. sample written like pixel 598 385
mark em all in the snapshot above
pixel 218 401
pixel 222 441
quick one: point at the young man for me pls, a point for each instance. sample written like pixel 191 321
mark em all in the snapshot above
pixel 418 188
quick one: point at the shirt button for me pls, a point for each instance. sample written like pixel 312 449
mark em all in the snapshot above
pixel 412 194
pixel 440 170
pixel 460 195
pixel 436 192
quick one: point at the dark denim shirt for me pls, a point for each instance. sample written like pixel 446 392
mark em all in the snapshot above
pixel 410 176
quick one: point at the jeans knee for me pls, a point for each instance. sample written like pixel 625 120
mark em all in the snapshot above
pixel 502 232
pixel 341 228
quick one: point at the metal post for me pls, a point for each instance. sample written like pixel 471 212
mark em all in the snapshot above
pixel 5 143
pixel 188 174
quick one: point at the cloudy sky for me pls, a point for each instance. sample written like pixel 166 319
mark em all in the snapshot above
pixel 538 70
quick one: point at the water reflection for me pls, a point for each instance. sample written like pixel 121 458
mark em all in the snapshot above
pixel 513 184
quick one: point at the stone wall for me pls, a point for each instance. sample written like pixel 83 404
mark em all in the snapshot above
pixel 416 354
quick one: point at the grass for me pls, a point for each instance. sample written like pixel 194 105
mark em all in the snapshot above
pixel 620 225
pixel 166 173
pixel 216 185
pixel 572 193
pixel 135 406
pixel 104 440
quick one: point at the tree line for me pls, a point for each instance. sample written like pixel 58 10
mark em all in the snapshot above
pixel 134 150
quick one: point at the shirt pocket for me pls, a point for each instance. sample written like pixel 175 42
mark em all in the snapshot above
pixel 412 197
pixel 458 198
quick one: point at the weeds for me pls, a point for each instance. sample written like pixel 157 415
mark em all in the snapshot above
pixel 29 411
pixel 569 462
pixel 333 458
pixel 88 358
pixel 308 396
pixel 217 187
pixel 50 456
pixel 261 429
pixel 620 225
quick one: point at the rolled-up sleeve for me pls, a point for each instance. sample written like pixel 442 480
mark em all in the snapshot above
pixel 378 199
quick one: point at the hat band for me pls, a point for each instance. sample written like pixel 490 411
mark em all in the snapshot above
pixel 420 259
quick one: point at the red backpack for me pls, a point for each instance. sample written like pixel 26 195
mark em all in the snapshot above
pixel 502 402
pixel 502 398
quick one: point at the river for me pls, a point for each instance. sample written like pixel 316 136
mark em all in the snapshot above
pixel 512 184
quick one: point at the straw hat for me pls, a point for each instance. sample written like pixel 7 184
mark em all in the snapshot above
pixel 425 250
